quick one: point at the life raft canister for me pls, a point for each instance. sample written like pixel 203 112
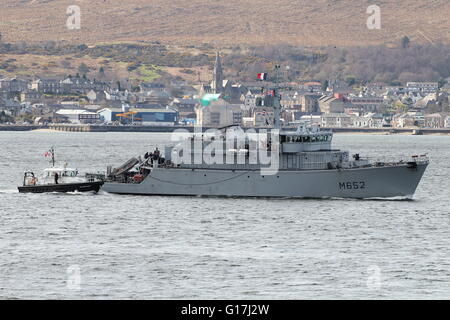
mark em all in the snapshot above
pixel 138 178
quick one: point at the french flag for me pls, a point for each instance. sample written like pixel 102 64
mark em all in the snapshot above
pixel 262 76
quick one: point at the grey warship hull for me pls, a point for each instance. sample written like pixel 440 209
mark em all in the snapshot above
pixel 392 181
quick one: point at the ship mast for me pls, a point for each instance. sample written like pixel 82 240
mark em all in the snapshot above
pixel 277 100
pixel 52 151
pixel 277 109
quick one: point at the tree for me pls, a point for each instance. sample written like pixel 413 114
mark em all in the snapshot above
pixel 3 117
pixel 405 42
pixel 400 107
pixel 324 85
pixel 350 80
pixel 82 47
pixel 83 68
pixel 101 73
pixel 442 82
pixel 175 92
pixel 408 101
pixel 66 64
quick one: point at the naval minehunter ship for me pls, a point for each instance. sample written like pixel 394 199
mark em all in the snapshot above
pixel 307 167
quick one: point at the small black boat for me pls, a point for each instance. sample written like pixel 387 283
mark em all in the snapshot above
pixel 63 187
pixel 60 179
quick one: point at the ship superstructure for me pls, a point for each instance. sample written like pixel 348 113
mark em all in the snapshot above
pixel 266 163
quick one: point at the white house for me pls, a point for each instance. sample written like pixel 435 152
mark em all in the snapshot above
pixel 78 116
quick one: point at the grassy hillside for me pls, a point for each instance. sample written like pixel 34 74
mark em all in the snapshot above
pixel 155 61
pixel 225 23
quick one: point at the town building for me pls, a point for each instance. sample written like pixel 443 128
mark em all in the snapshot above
pixel 311 86
pixel 310 103
pixel 447 122
pixel 425 87
pixel 78 85
pixel 333 104
pixel 51 117
pixel 160 97
pixel 13 85
pixel 156 117
pixel 336 120
pixel 409 119
pixel 152 86
pixel 231 92
pixel 264 117
pixel 366 104
pixel 310 119
pixel 426 101
pixel 48 86
pixel 79 116
pixel 185 107
pixel 370 120
pixel 148 117
pixel 217 112
pixel 96 96
pixel 10 106
pixel 31 96
pixel 434 120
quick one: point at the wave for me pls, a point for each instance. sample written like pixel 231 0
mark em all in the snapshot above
pixel 9 191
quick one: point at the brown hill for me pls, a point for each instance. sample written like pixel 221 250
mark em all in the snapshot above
pixel 227 22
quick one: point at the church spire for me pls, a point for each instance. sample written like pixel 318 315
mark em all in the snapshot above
pixel 217 82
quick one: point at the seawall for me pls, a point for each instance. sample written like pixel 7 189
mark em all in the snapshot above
pixel 103 128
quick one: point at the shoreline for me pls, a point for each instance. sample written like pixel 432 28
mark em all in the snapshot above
pixel 170 129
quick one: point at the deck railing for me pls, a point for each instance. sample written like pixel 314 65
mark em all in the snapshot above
pixel 388 160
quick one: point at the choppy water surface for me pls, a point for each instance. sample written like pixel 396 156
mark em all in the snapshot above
pixel 112 246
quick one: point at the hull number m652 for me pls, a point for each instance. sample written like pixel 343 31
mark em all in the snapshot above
pixel 352 185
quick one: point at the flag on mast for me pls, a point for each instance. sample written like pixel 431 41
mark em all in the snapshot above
pixel 262 76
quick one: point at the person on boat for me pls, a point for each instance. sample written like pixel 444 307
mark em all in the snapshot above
pixel 156 154
pixel 56 177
